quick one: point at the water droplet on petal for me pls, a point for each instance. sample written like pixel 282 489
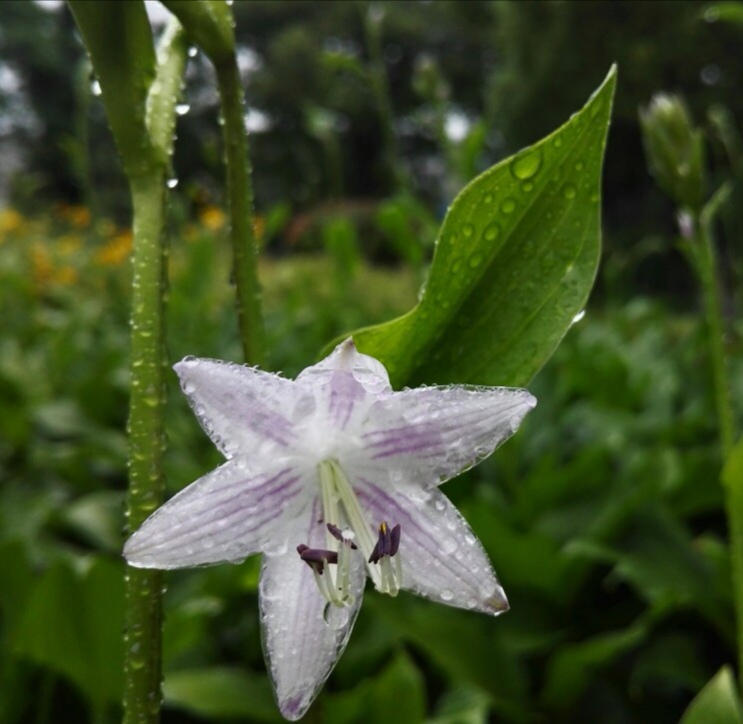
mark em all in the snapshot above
pixel 447 595
pixel 527 164
pixel 182 108
pixel 95 88
pixel 171 183
pixel 335 617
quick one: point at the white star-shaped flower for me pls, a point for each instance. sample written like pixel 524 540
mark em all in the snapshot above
pixel 333 477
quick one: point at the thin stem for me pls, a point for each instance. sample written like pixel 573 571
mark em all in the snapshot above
pixel 381 90
pixel 734 509
pixel 143 622
pixel 707 270
pixel 240 191
pixel 704 255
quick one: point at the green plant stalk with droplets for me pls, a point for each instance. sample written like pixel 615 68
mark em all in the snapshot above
pixel 139 92
pixel 209 23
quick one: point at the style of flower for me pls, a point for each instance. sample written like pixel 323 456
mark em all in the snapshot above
pixel 333 477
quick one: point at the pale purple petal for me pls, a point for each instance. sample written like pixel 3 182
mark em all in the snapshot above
pixel 441 556
pixel 344 385
pixel 239 407
pixel 430 434
pixel 300 646
pixel 224 516
pixel 368 371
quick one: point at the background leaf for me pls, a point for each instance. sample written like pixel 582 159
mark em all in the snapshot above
pixel 717 703
pixel 514 263
pixel 221 691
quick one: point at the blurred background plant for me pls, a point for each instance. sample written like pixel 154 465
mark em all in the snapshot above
pixel 604 517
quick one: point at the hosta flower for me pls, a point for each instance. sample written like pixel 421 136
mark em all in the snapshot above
pixel 334 478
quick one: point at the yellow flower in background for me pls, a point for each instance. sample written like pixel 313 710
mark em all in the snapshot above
pixel 44 272
pixel 213 218
pixel 116 249
pixel 78 216
pixel 10 221
pixel 68 244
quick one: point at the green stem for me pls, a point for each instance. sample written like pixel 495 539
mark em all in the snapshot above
pixel 734 509
pixel 240 192
pixel 381 90
pixel 706 268
pixel 143 620
pixel 704 255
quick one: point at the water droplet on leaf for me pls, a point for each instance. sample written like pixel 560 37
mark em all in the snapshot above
pixel 569 191
pixel 508 206
pixel 492 232
pixel 527 164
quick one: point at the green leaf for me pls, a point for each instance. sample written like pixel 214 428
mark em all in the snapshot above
pixel 396 694
pixel 172 55
pixel 573 666
pixel 729 12
pixel 72 624
pixel 209 24
pixel 118 39
pixel 221 692
pixel 515 261
pixel 717 703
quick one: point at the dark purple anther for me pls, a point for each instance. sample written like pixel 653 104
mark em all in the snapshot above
pixel 316 558
pixel 337 533
pixel 387 544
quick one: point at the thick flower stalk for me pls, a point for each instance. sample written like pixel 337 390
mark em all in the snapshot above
pixel 334 478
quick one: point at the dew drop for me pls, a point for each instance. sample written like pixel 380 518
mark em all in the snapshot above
pixel 468 230
pixel 492 232
pixel 557 142
pixel 475 260
pixel 335 617
pixel 447 595
pixel 448 546
pixel 171 183
pixel 182 108
pixel 488 198
pixel 95 88
pixel 579 165
pixel 526 164
pixel 440 505
pixel 192 51
pixel 508 206
pixel 569 191
pixel 527 187
pixel 456 266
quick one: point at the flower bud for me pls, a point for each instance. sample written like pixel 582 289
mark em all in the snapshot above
pixel 674 149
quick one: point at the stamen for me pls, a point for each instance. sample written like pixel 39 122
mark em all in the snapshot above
pixel 386 548
pixel 344 536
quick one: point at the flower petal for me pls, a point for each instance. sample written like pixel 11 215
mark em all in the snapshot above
pixel 240 407
pixel 300 647
pixel 441 556
pixel 431 434
pixel 370 372
pixel 226 515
